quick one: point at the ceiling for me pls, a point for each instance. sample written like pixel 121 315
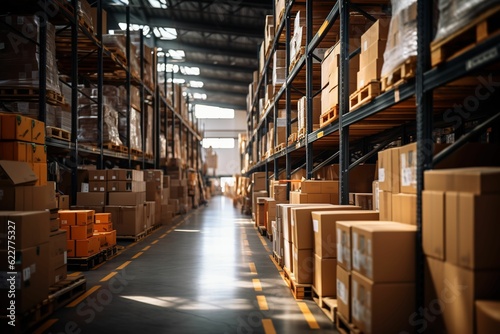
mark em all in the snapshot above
pixel 220 37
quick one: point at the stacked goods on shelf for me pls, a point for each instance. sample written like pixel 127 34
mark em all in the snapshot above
pixel 259 186
pixel 104 230
pixel 149 114
pixel 376 259
pixel 324 245
pixel 401 48
pixel 459 214
pixel 312 191
pixel 268 33
pixel 302 114
pixel 31 260
pixel 58 253
pixel 117 44
pixel 88 110
pixel 154 195
pixel 148 56
pixel 279 69
pixel 23 139
pixel 79 225
pixel 178 185
pixel 169 207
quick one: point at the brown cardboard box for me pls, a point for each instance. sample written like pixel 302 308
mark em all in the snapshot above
pixel 37 132
pixel 344 241
pixel 166 181
pixel 259 180
pixel 38 153
pixel 487 316
pixel 433 220
pixel 302 225
pixel 91 198
pixel 476 180
pixel 462 287
pixel 68 230
pixel 255 195
pixel 398 300
pixel 303 265
pixel 344 292
pixel 436 295
pixel 40 170
pixel 103 227
pixel 58 248
pixel 286 217
pixel 76 217
pixel 360 177
pixel 325 281
pixel 370 72
pixel 110 237
pixel 15 150
pixel 372 51
pixel 154 175
pixel 98 186
pixel 70 247
pixel 55 224
pixel 57 274
pixel 385 205
pixel 97 175
pixel 404 208
pixel 388 170
pixel 124 175
pixel 288 255
pixel 16 173
pixel 325 241
pixel 31 228
pixel 384 252
pixel 79 232
pixel 310 186
pixel 103 218
pixel 87 247
pixel 126 198
pixel 32 279
pixel 377 32
pixel 363 200
pixel 128 220
pixel 297 197
pixel 15 127
pixel 471 236
pixel 27 198
pixel 126 186
pixel 63 202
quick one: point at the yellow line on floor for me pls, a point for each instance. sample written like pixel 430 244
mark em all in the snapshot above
pixel 84 296
pixel 155 242
pixel 137 255
pixel 311 320
pixel 108 277
pixel 267 249
pixel 126 263
pixel 256 284
pixel 253 270
pixel 75 273
pixel 262 303
pixel 45 326
pixel 245 243
pixel 163 236
pixel 264 243
pixel 274 262
pixel 146 248
pixel 268 326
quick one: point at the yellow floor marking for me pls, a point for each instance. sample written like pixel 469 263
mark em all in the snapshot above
pixel 155 242
pixel 137 255
pixel 274 262
pixel 264 243
pixel 268 326
pixel 262 303
pixel 245 243
pixel 256 284
pixel 146 248
pixel 253 270
pixel 126 263
pixel 84 296
pixel 108 277
pixel 163 236
pixel 75 273
pixel 311 320
pixel 45 326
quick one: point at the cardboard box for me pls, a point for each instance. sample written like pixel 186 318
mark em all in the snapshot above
pixel 31 228
pixel 376 195
pixel 433 222
pixel 166 181
pixel 385 205
pixel 40 170
pixel 398 300
pixel 55 224
pixel 285 215
pixel 79 232
pixel 63 202
pixel 471 236
pixel 303 265
pixel 325 281
pixel 288 255
pixel 487 316
pixel 15 127
pixel 128 220
pixel 58 249
pixel 70 248
pixel 98 186
pixel 344 241
pixel 324 228
pixel 126 186
pixel 16 173
pixel 370 72
pixel 38 153
pixel 154 175
pixel 15 150
pixel 76 217
pixel 87 247
pixel 97 175
pixel 124 175
pixel 91 198
pixel 363 200
pixel 360 178
pixel 384 252
pixel 27 198
pixel 57 274
pixel 388 170
pixel 377 32
pixel 344 292
pixel 32 279
pixel 477 180
pixel 37 132
pixel 103 218
pixel 462 287
pixel 259 181
pixel 372 51
pixel 404 208
pixel 436 293
pixel 126 198
pixel 103 227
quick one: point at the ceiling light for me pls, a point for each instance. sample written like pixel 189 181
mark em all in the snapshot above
pixel 204 111
pixel 196 84
pixel 199 96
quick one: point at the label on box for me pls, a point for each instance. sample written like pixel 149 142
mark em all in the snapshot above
pixel 315 226
pixel 381 174
pixel 26 274
pixel 85 188
pixel 356 312
pixel 365 46
pixel 342 292
pixel 355 252
pixel 406 177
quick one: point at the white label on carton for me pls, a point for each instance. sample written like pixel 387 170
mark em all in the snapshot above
pixel 315 226
pixel 355 252
pixel 26 274
pixel 342 292
pixel 365 46
pixel 406 177
pixel 381 174
pixel 101 189
pixel 85 187
pixel 340 257
pixel 101 177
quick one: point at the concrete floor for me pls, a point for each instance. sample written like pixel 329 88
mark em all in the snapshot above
pixel 200 275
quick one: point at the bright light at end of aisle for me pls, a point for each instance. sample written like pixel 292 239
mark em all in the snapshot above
pixel 204 111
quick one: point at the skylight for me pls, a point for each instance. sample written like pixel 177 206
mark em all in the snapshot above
pixel 196 84
pixel 177 80
pixel 199 96
pixel 146 30
pixel 158 4
pixel 186 70
pixel 176 54
pixel 204 111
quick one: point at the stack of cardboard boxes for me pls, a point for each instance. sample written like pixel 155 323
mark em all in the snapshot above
pixel 259 182
pixel 460 211
pixel 316 192
pixel 302 114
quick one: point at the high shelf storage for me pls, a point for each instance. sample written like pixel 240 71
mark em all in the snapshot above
pixel 450 91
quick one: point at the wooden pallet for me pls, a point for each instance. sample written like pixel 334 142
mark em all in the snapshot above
pixel 301 134
pixel 292 138
pixel 262 230
pixel 12 93
pixel 269 236
pixel 400 74
pixel 481 28
pixel 86 25
pixel 299 291
pixel 63 292
pixel 278 261
pixel 114 147
pixel 137 237
pixel 118 53
pixel 343 326
pixel 364 95
pixel 57 133
pixel 85 263
pixel 327 304
pixel 329 116
pixel 297 57
pixel 135 151
pixel 279 148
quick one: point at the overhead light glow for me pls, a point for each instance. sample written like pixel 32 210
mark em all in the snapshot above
pixel 177 80
pixel 186 70
pixel 204 111
pixel 146 30
pixel 218 142
pixel 176 54
pixel 196 84
pixel 158 4
pixel 199 96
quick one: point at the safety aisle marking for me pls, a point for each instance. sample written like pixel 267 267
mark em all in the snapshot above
pixel 123 265
pixel 261 300
pixel 268 326
pixel 84 296
pixel 256 284
pixel 108 277
pixel 253 269
pixel 137 255
pixel 311 320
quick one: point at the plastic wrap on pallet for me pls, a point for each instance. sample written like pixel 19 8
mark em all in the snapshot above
pixel 87 130
pixel 455 14
pixel 20 56
pixel 63 118
pixel 402 37
pixel 135 130
pixel 163 146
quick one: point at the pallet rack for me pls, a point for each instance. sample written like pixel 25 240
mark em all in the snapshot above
pixel 409 110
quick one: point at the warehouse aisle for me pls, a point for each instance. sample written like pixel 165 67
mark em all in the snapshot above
pixel 209 273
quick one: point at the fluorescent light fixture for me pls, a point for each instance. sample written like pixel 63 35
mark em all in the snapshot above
pixel 186 70
pixel 204 111
pixel 177 80
pixel 218 142
pixel 196 84
pixel 177 54
pixel 199 96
